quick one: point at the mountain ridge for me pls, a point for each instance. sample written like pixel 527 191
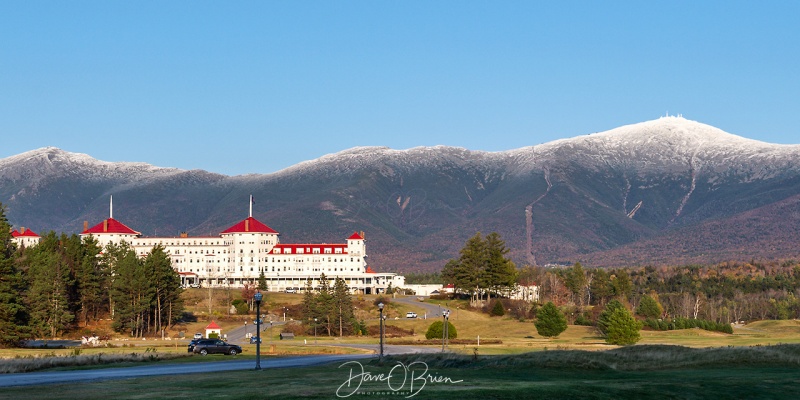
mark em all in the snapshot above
pixel 578 199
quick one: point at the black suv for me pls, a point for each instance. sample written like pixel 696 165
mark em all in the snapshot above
pixel 211 346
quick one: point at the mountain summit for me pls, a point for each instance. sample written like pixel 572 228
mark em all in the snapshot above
pixel 667 191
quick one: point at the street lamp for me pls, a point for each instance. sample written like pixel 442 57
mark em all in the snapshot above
pixel 380 325
pixel 315 331
pixel 284 314
pixel 445 314
pixel 257 297
pixel 245 328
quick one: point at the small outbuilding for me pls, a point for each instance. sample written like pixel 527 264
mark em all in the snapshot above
pixel 213 328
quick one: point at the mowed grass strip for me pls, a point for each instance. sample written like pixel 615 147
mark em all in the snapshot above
pixel 632 372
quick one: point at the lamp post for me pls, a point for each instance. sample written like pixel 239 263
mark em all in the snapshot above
pixel 315 331
pixel 258 296
pixel 245 328
pixel 380 325
pixel 284 314
pixel 445 314
pixel 270 336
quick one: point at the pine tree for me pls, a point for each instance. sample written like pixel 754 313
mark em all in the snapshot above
pixel 343 306
pixel 324 306
pixel 500 273
pixel 649 308
pixel 92 280
pixel 601 287
pixel 618 325
pixel 550 321
pixel 575 281
pixel 13 313
pixel 50 280
pixel 498 310
pixel 132 293
pixel 166 287
pixel 621 328
pixel 262 282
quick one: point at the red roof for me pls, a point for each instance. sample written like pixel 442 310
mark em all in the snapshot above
pixel 110 226
pixel 25 232
pixel 212 325
pixel 314 249
pixel 249 224
pixel 355 236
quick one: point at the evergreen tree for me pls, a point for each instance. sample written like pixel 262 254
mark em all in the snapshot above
pixel 13 313
pixel 324 306
pixel 497 310
pixel 262 282
pixel 343 306
pixel 603 319
pixel 481 265
pixel 575 281
pixel 550 321
pixel 92 279
pixel 621 328
pixel 649 308
pixel 601 287
pixel 500 273
pixel 166 288
pixel 623 287
pixel 50 280
pixel 132 293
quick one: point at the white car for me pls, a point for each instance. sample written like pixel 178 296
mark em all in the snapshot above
pixel 411 314
pixel 198 335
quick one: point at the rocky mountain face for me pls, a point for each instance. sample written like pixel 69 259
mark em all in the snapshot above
pixel 668 191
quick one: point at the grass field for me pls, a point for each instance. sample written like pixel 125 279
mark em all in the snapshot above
pixel 760 360
pixel 637 372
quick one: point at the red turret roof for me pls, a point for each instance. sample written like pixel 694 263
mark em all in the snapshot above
pixel 25 232
pixel 355 236
pixel 212 325
pixel 110 226
pixel 249 224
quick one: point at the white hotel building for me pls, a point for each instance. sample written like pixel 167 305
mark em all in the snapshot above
pixel 242 252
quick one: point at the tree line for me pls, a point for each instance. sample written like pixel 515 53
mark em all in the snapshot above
pixel 66 283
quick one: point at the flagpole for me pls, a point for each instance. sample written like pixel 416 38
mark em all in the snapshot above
pixel 251 206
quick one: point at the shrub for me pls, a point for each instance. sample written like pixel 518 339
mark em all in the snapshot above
pixel 435 331
pixel 550 321
pixel 498 310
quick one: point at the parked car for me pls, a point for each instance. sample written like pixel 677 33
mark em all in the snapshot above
pixel 254 340
pixel 411 314
pixel 192 343
pixel 198 335
pixel 291 290
pixel 215 346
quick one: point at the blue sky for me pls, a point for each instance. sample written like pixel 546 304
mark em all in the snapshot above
pixel 255 87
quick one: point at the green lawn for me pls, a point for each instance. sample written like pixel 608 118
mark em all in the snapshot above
pixel 636 372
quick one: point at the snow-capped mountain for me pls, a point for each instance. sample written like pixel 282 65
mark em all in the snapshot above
pixel 663 191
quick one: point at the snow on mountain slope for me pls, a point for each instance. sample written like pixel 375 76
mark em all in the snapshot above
pixel 668 144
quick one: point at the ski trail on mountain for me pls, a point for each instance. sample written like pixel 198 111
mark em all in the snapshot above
pixel 529 227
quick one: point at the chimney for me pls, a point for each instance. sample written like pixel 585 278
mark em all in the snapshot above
pixel 22 230
pixel 105 225
pixel 184 235
pixel 247 225
pixel 85 226
pixel 362 235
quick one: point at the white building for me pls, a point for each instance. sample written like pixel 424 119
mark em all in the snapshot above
pixel 242 252
pixel 25 237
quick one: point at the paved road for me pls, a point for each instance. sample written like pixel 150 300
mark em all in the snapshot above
pixel 44 378
pixel 432 310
